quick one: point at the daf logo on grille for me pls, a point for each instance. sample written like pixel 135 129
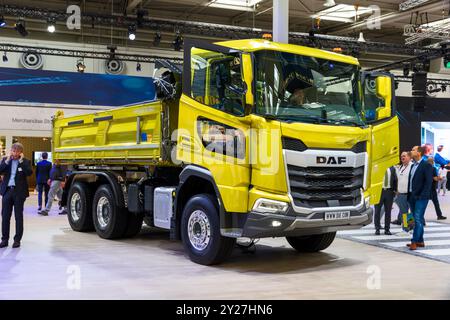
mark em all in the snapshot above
pixel 331 160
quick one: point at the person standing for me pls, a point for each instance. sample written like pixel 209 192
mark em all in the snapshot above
pixel 442 183
pixel 14 190
pixel 439 158
pixel 401 198
pixel 434 197
pixel 56 182
pixel 387 200
pixel 419 193
pixel 42 175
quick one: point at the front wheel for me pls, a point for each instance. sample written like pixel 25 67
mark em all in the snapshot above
pixel 200 231
pixel 313 243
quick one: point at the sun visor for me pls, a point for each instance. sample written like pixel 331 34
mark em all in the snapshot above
pixel 297 77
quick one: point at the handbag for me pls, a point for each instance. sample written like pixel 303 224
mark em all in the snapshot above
pixel 407 221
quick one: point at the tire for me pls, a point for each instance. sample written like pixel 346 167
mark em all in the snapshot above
pixel 134 225
pixel 79 207
pixel 110 221
pixel 208 249
pixel 313 243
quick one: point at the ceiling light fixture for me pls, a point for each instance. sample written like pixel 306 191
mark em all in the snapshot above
pixel 342 13
pixel 240 5
pixel 361 37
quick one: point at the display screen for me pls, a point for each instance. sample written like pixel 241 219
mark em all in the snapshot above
pixel 37 156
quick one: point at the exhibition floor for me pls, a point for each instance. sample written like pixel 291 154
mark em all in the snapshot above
pixel 55 262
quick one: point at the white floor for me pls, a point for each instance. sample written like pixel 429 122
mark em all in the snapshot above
pixel 55 262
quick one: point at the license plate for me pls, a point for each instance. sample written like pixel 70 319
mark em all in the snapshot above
pixel 337 215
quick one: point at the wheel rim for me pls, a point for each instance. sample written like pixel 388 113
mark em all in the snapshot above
pixel 103 212
pixel 75 207
pixel 199 230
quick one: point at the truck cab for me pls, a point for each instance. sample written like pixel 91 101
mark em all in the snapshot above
pixel 295 140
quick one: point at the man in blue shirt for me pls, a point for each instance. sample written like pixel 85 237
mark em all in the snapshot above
pixel 14 190
pixel 419 193
pixel 439 158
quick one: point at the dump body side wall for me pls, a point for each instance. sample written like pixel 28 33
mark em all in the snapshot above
pixel 127 135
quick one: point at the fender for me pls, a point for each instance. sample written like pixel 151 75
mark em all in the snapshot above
pixel 108 176
pixel 228 220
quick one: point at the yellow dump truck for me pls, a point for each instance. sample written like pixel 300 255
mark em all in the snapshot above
pixel 250 139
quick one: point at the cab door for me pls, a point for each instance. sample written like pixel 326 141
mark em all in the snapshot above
pixel 213 126
pixel 380 113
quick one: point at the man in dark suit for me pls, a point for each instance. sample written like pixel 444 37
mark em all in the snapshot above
pixel 419 193
pixel 42 175
pixel 390 183
pixel 14 190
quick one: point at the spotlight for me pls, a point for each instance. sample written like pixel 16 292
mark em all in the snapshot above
pixel 2 21
pixel 178 42
pixel 132 32
pixel 20 28
pixel 138 67
pixel 140 17
pixel 81 66
pixel 157 39
pixel 406 69
pixel 5 57
pixel 112 51
pixel 51 25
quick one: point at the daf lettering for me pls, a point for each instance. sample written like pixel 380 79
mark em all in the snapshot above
pixel 331 160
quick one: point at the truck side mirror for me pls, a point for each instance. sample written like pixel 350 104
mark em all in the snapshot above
pixel 378 95
pixel 384 91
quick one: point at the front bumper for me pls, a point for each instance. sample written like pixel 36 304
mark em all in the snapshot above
pixel 260 225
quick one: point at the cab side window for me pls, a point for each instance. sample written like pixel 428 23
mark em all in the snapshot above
pixel 372 102
pixel 217 81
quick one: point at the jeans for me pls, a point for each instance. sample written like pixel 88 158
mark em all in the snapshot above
pixel 55 189
pixel 402 201
pixel 418 208
pixel 442 184
pixel 42 188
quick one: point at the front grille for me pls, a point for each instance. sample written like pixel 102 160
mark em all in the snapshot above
pixel 314 187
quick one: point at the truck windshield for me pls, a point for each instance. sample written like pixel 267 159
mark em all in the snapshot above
pixel 295 88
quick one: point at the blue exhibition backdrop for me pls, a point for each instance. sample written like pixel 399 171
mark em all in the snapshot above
pixel 55 87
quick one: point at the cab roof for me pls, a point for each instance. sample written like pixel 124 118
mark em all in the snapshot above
pixel 252 45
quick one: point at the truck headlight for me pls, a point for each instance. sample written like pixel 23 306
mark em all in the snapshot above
pixel 270 206
pixel 367 202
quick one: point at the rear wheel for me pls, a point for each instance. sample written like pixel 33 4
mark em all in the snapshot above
pixel 312 243
pixel 200 231
pixel 79 207
pixel 110 220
